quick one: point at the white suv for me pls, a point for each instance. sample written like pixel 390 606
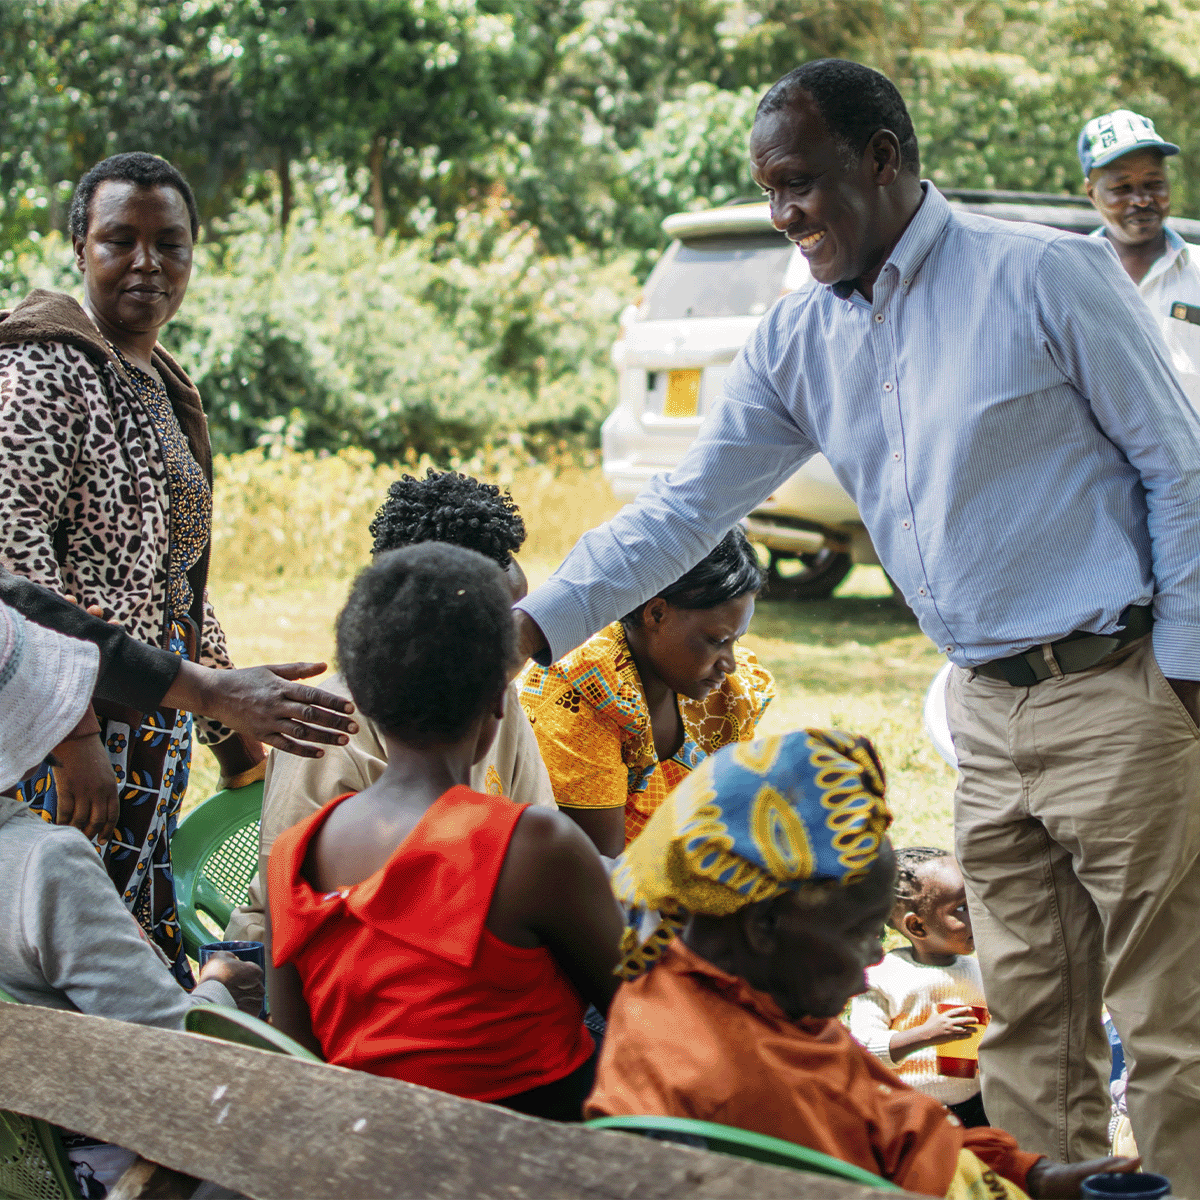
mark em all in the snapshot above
pixel 723 269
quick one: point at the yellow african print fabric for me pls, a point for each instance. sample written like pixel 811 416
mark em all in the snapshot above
pixel 755 820
pixel 589 713
pixel 974 1181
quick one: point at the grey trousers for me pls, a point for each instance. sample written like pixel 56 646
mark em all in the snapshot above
pixel 1077 826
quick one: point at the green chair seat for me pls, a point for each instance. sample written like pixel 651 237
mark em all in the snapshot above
pixel 233 1025
pixel 214 854
pixel 33 1163
pixel 742 1143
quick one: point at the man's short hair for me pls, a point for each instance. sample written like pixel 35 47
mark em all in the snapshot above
pixel 855 102
pixel 136 167
pixel 425 640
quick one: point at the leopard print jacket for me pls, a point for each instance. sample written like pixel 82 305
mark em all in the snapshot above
pixel 84 497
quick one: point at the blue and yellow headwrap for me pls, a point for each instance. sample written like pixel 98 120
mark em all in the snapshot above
pixel 754 820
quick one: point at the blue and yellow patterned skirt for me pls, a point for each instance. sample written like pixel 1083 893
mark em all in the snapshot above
pixel 151 763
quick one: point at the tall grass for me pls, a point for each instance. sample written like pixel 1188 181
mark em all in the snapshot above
pixel 299 515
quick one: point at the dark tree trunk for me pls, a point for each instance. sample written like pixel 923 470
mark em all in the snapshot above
pixel 285 188
pixel 378 146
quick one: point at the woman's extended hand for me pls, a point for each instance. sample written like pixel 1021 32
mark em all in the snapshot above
pixel 266 704
pixel 1048 1180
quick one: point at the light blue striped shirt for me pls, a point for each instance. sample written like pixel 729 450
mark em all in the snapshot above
pixel 1005 416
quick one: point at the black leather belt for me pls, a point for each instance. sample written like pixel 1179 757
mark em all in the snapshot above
pixel 1078 651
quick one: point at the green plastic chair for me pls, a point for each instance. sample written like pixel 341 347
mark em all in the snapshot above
pixel 233 1025
pixel 33 1163
pixel 742 1143
pixel 214 855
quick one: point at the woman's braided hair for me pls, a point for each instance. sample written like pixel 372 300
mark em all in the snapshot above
pixel 448 507
pixel 909 890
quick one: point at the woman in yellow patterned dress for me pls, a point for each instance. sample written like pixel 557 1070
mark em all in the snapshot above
pixel 622 719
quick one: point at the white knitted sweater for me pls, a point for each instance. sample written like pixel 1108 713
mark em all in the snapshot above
pixel 902 995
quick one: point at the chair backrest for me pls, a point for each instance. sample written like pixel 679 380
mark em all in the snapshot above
pixel 214 854
pixel 742 1143
pixel 33 1163
pixel 232 1025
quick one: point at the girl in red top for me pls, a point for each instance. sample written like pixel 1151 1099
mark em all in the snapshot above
pixel 419 929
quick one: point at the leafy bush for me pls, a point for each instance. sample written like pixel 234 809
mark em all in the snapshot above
pixel 327 338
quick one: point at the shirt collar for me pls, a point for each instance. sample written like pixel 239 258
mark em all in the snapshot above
pixel 918 238
pixel 1176 251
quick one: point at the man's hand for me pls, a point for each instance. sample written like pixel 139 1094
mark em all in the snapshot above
pixel 1188 691
pixel 243 979
pixel 1049 1180
pixel 85 782
pixel 265 704
pixel 530 639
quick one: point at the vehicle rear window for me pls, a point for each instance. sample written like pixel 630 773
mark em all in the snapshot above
pixel 731 276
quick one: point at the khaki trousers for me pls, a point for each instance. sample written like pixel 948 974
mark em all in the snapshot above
pixel 1077 822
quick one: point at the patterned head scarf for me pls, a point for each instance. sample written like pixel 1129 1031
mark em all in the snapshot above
pixel 755 820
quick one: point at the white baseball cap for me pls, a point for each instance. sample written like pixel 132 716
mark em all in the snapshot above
pixel 46 682
pixel 1107 138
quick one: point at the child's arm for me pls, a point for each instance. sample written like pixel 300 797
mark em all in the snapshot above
pixel 554 884
pixel 289 1009
pixel 871 1024
pixel 951 1026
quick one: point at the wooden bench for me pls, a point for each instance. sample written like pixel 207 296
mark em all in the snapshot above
pixel 271 1126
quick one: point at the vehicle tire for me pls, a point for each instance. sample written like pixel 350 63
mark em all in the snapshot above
pixel 819 574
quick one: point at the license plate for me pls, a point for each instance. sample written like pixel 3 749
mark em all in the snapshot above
pixel 683 393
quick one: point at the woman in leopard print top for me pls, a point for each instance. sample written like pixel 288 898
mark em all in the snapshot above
pixel 105 495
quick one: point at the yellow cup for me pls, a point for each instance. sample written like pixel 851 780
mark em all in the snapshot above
pixel 960 1059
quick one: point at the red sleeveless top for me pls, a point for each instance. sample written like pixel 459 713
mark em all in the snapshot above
pixel 401 976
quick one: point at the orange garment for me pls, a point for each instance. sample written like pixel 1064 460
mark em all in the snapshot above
pixel 688 1040
pixel 400 973
pixel 592 723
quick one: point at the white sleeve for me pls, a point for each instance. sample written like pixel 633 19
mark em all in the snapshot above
pixel 871 1023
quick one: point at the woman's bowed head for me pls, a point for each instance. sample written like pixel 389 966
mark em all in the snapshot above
pixel 133 224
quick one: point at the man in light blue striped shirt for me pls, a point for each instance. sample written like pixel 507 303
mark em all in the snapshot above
pixel 1000 404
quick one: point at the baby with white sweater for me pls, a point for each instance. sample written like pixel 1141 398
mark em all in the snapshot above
pixel 897 1018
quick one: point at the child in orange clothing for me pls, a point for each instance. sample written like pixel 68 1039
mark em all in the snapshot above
pixel 897 1018
pixel 421 930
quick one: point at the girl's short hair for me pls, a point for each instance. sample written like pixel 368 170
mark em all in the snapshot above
pixel 426 639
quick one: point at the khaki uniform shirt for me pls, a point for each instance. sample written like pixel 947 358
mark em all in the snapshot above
pixel 296 787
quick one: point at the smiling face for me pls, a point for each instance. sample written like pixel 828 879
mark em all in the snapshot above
pixel 1132 196
pixel 136 259
pixel 691 650
pixel 818 954
pixel 827 201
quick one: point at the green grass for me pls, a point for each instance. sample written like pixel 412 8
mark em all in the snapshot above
pixel 856 661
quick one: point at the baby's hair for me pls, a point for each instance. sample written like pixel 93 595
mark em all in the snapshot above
pixel 448 507
pixel 909 891
pixel 425 640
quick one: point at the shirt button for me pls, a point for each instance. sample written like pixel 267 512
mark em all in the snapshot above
pixel 905 524
pixel 949 649
pixel 896 455
pixel 921 592
pixel 879 318
pixel 887 387
pixel 907 282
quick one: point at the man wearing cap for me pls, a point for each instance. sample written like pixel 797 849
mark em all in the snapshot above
pixel 1125 171
pixel 1001 406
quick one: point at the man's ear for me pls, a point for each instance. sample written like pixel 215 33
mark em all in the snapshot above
pixel 913 926
pixel 77 245
pixel 886 159
pixel 1089 187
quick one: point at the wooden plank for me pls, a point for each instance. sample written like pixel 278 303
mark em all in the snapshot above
pixel 277 1127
